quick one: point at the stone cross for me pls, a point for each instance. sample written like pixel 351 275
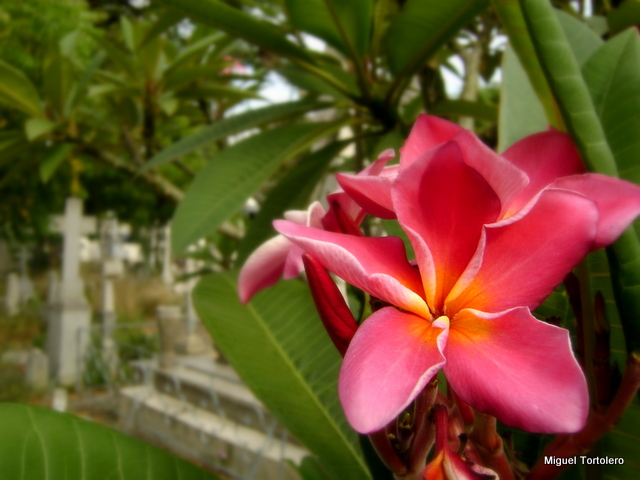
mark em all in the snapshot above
pixel 70 316
pixel 72 225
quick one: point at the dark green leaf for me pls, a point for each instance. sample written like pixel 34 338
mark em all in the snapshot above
pixel 292 192
pixel 422 27
pixel 346 26
pixel 239 24
pixel 230 126
pixel 457 108
pixel 224 184
pixel 626 15
pixel 17 91
pixel 280 349
pixel 53 159
pixel 38 443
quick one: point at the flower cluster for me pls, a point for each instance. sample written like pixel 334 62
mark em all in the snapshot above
pixel 493 235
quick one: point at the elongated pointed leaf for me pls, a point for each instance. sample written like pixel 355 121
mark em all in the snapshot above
pixel 456 108
pixel 581 118
pixel 223 185
pixel 279 348
pixel 626 15
pixel 521 112
pixel 230 126
pixel 510 13
pixel 566 82
pixel 292 192
pixel 582 40
pixel 423 27
pixel 17 91
pixel 53 159
pixel 239 24
pixel 38 443
pixel 36 127
pixel 612 75
pixel 346 26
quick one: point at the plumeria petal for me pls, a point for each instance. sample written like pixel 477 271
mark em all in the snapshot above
pixel 618 202
pixel 505 178
pixel 442 203
pixel 264 267
pixel 427 132
pixel 543 157
pixel 376 265
pixel 372 193
pixel 518 369
pixel 523 258
pixel 334 311
pixel 391 358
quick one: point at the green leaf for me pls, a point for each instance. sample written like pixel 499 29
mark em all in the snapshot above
pixel 346 26
pixel 292 192
pixel 566 82
pixel 38 443
pixel 167 20
pixel 218 91
pixel 230 126
pixel 280 350
pixel 36 127
pixel 582 40
pixel 239 24
pixel 521 113
pixel 393 228
pixel 457 108
pixel 512 18
pixel 53 159
pixel 422 27
pixel 224 184
pixel 314 84
pixel 625 16
pixel 612 75
pixel 17 91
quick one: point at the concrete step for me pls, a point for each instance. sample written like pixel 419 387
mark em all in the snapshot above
pixel 200 434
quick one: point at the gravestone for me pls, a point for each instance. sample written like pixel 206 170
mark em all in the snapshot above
pixel 167 268
pixel 112 267
pixel 12 294
pixel 37 370
pixel 69 320
pixel 172 333
pixel 26 286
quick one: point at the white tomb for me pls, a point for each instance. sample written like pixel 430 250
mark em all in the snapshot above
pixel 70 315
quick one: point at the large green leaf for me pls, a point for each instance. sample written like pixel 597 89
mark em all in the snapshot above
pixel 292 192
pixel 566 82
pixel 346 26
pixel 422 27
pixel 582 39
pixel 510 13
pixel 279 348
pixel 626 15
pixel 38 443
pixel 17 91
pixel 230 126
pixel 521 113
pixel 240 24
pixel 224 184
pixel 612 75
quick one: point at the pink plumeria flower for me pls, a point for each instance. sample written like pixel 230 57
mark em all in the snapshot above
pixel 493 236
